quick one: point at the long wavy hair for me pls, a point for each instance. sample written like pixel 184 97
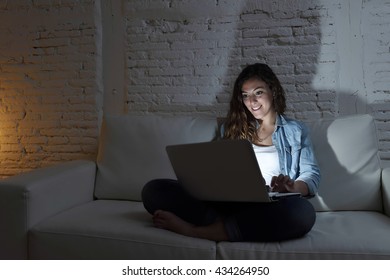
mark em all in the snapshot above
pixel 240 123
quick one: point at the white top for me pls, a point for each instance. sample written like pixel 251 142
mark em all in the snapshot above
pixel 268 160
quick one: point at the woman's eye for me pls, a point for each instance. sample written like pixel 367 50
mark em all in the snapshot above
pixel 259 93
pixel 256 94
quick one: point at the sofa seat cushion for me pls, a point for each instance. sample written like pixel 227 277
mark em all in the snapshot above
pixel 335 235
pixel 107 229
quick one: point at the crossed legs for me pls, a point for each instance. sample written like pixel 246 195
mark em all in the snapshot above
pixel 175 210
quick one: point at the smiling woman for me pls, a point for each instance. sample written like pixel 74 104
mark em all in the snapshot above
pixel 256 114
pixel 257 98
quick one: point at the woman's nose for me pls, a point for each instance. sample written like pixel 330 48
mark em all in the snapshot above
pixel 253 98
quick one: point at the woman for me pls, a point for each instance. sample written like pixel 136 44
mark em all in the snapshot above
pixel 256 113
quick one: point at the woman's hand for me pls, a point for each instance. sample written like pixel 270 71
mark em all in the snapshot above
pixel 284 183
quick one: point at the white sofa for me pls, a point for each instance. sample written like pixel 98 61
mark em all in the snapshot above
pixel 88 210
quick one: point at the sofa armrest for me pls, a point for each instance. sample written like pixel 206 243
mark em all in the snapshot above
pixel 386 190
pixel 29 198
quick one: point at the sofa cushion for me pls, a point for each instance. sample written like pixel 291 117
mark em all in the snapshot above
pixel 109 229
pixel 132 150
pixel 347 154
pixel 335 235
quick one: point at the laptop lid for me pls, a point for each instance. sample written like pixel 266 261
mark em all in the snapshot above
pixel 224 170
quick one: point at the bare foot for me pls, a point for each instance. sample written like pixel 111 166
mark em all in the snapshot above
pixel 168 220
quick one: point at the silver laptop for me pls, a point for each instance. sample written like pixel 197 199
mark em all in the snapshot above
pixel 224 170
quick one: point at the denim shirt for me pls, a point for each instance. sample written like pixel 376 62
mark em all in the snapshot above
pixel 295 151
pixel 296 157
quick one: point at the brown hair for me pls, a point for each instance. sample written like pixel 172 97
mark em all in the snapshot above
pixel 240 123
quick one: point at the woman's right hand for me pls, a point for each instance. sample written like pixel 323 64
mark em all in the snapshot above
pixel 282 183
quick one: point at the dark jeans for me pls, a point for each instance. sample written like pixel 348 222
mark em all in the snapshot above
pixel 284 219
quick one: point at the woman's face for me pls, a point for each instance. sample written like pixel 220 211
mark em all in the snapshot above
pixel 258 98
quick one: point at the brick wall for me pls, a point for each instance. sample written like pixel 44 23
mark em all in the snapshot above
pixel 183 59
pixel 331 56
pixel 48 90
pixel 58 58
pixel 376 67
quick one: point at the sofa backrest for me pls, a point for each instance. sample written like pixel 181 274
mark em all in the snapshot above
pixel 132 150
pixel 347 153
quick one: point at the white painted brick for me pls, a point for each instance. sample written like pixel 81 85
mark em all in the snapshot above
pixel 198 44
pixel 149 46
pixel 252 42
pixel 149 63
pixel 169 71
pixel 174 90
pixel 52 42
pixel 256 33
pixel 150 80
pixel 169 55
pixel 280 32
pixel 144 89
pixel 193 98
pixel 41 78
pixel 176 53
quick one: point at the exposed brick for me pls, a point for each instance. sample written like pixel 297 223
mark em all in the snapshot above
pixel 38 86
pixel 180 57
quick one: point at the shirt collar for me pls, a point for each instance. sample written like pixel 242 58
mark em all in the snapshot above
pixel 280 120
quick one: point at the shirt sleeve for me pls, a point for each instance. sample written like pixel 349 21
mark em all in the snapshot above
pixel 309 171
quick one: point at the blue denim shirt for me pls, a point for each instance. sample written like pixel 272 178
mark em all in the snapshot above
pixel 296 157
